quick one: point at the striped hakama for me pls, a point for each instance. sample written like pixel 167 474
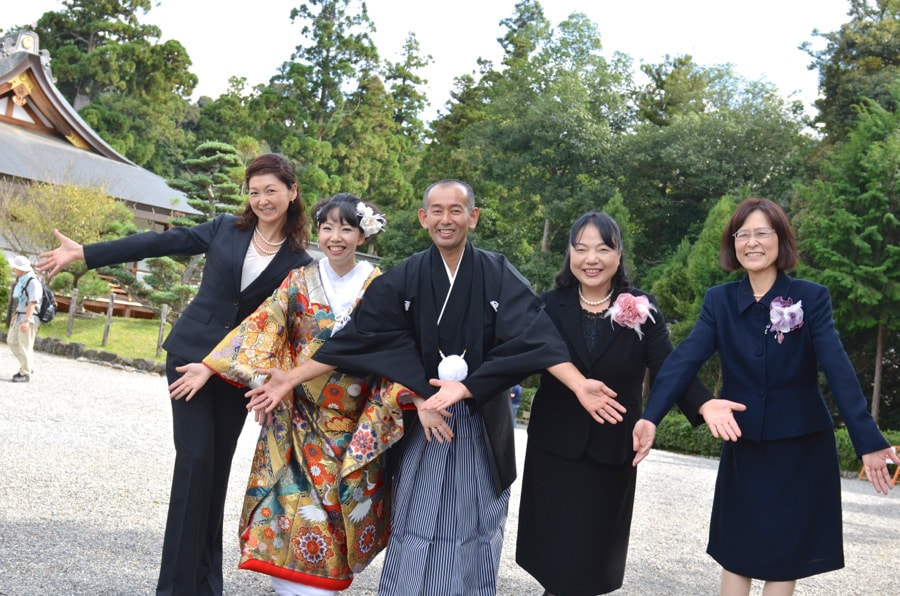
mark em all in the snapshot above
pixel 447 521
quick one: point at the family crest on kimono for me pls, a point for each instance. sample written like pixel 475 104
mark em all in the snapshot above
pixel 317 506
pixel 461 325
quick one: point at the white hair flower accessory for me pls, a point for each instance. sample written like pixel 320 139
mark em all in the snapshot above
pixel 370 222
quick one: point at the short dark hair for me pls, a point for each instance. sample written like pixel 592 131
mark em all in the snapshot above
pixel 611 235
pixel 787 244
pixel 295 226
pixel 470 194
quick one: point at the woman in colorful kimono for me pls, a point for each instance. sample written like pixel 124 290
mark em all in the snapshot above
pixel 317 506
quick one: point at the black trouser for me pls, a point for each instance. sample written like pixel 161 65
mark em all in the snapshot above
pixel 206 430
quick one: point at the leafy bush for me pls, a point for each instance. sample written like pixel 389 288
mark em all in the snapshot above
pixel 847 456
pixel 525 402
pixel 6 277
pixel 675 433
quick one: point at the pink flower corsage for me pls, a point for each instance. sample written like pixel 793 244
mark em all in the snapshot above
pixel 785 316
pixel 631 311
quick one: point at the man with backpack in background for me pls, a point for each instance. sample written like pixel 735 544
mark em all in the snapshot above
pixel 28 295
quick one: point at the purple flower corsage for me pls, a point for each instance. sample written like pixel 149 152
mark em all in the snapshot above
pixel 785 316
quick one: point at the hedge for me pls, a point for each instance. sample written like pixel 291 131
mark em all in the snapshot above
pixel 675 433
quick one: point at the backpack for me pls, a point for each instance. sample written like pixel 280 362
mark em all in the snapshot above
pixel 48 303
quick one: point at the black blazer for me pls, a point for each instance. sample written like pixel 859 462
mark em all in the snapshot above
pixel 558 421
pixel 777 381
pixel 219 304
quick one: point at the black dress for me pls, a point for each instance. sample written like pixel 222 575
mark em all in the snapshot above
pixel 578 484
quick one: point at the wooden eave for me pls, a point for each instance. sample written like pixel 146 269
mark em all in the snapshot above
pixel 28 86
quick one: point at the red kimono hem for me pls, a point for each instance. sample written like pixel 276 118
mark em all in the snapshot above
pixel 295 576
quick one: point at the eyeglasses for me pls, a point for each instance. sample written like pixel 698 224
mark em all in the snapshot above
pixel 758 233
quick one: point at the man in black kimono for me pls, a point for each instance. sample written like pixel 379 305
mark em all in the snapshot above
pixel 452 307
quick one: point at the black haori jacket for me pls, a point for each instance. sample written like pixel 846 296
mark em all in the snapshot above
pixel 492 314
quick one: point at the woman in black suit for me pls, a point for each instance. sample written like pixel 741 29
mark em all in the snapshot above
pixel 578 485
pixel 776 513
pixel 247 257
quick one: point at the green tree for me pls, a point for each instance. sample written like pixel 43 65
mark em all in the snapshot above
pixel 338 49
pixel 671 176
pixel 89 215
pixel 150 133
pixel 90 286
pixel 210 182
pixel 445 155
pixel 101 47
pixel 227 118
pixel 616 209
pixel 677 86
pixel 29 218
pixel 683 280
pixel 550 119
pixel 849 230
pixel 372 153
pixel 129 86
pixel 6 276
pixel 861 59
pixel 405 84
pixel 304 105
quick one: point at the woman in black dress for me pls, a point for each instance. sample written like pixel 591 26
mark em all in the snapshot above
pixel 247 257
pixel 578 485
pixel 776 513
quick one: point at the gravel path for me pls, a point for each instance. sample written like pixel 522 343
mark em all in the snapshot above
pixel 85 466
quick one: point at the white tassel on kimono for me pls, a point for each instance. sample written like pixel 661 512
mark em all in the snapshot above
pixel 453 368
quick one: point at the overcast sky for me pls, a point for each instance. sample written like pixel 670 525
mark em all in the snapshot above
pixel 251 39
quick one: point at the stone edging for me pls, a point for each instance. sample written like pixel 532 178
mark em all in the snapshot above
pixel 77 351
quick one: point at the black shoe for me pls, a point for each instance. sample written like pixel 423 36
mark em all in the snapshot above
pixel 20 378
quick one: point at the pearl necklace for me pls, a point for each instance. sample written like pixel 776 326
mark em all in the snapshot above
pixel 262 251
pixel 594 302
pixel 266 240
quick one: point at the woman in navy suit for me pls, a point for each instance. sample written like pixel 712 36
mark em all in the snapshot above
pixel 247 257
pixel 776 513
pixel 578 485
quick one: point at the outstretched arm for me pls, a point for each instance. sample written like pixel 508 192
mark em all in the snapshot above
pixel 877 472
pixel 60 257
pixel 267 396
pixel 719 416
pixel 195 376
pixel 448 393
pixel 434 422
pixel 642 439
pixel 593 395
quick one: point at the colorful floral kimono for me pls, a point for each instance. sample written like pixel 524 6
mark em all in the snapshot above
pixel 317 507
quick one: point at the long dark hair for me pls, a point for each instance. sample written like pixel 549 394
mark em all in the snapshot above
pixel 296 224
pixel 611 235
